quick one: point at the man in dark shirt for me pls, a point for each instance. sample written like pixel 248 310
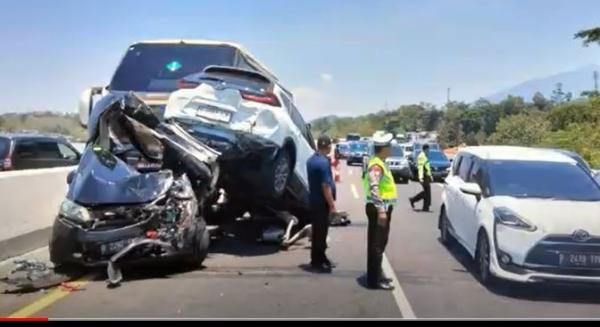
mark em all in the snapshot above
pixel 322 202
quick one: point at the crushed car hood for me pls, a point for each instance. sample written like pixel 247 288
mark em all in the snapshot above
pixel 103 178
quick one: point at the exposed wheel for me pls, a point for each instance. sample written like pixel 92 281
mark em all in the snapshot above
pixel 201 242
pixel 445 235
pixel 483 260
pixel 282 168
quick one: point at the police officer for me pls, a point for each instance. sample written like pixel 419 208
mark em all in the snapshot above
pixel 381 194
pixel 424 171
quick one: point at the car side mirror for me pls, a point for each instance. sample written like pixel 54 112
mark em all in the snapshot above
pixel 471 189
pixel 86 102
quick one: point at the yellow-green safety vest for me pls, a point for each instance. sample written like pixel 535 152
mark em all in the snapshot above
pixel 423 165
pixel 387 185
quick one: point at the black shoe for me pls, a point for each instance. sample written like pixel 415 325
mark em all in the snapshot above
pixel 329 263
pixel 321 267
pixel 382 285
pixel 412 203
pixel 426 210
pixel 387 280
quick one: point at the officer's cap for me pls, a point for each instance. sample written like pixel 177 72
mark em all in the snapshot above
pixel 382 139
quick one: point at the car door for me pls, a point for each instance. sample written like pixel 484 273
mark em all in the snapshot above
pixel 470 203
pixel 25 154
pixel 460 222
pixel 451 190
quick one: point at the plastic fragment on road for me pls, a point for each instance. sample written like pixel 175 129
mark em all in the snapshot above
pixel 33 275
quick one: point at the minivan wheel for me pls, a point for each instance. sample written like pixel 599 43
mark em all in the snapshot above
pixel 445 236
pixel 281 173
pixel 483 260
pixel 201 243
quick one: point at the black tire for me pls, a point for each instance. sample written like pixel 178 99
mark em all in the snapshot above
pixel 280 174
pixel 200 245
pixel 445 235
pixel 482 261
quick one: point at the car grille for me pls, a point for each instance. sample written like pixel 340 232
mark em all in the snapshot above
pixel 545 255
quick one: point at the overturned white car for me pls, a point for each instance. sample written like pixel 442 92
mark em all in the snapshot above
pixel 253 122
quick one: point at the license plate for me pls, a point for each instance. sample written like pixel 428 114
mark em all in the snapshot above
pixel 214 113
pixel 579 260
pixel 114 247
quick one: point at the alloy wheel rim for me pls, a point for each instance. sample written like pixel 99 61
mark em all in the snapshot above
pixel 281 174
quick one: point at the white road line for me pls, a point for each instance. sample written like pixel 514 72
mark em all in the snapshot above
pixel 401 300
pixel 354 191
pixel 350 171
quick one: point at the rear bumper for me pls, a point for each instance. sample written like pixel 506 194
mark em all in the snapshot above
pixel 354 160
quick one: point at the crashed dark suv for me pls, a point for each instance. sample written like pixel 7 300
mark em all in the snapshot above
pixel 138 192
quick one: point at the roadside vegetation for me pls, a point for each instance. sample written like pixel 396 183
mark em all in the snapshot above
pixel 43 122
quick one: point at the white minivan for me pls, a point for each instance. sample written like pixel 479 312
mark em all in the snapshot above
pixel 523 214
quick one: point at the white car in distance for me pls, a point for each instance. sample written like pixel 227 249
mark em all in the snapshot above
pixel 523 214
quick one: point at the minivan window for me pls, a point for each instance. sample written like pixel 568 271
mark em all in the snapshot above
pixel 465 166
pixel 66 152
pixel 26 150
pixel 537 179
pixel 4 147
pixel 158 67
pixel 48 150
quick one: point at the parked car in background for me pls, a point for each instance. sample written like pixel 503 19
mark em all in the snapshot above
pixel 33 151
pixel 408 149
pixel 440 165
pixel 353 137
pixel 342 150
pixel 523 214
pixel 399 165
pixel 358 150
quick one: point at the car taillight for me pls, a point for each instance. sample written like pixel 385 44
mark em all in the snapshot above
pixel 182 84
pixel 266 98
pixel 7 164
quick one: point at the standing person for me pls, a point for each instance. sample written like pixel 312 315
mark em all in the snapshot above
pixel 322 202
pixel 425 178
pixel 381 194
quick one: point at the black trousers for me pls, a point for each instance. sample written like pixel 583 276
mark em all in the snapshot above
pixel 320 228
pixel 425 195
pixel 377 239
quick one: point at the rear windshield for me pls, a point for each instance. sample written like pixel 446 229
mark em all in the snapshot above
pixel 4 147
pixel 397 151
pixel 158 67
pixel 437 156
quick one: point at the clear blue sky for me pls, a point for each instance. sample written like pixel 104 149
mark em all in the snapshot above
pixel 339 56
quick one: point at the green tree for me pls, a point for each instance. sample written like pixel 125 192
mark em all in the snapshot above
pixel 540 101
pixel 583 138
pixel 522 130
pixel 559 96
pixel 588 36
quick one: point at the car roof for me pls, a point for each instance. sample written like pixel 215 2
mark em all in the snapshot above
pixel 517 153
pixel 237 46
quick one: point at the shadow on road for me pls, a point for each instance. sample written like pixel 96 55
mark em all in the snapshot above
pixel 547 292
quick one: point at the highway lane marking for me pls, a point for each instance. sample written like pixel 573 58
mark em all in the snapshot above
pixel 50 298
pixel 350 171
pixel 354 191
pixel 399 295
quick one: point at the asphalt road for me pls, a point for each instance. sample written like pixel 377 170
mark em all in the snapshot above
pixel 243 279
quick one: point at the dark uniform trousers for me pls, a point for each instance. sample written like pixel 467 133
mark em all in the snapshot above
pixel 377 239
pixel 320 228
pixel 424 195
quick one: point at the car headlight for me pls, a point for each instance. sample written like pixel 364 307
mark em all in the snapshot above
pixel 73 211
pixel 507 217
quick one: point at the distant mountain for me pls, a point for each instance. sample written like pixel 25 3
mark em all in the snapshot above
pixel 574 81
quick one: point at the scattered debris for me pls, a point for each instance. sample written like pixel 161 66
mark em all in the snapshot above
pixel 339 219
pixel 33 276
